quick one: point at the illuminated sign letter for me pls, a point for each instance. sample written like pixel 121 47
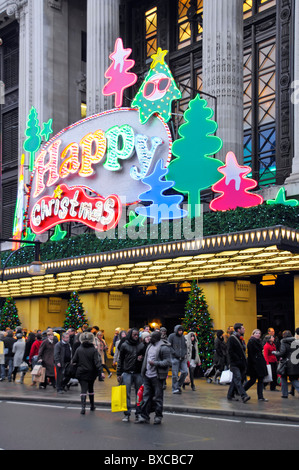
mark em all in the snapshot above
pixel 93 150
pixel 50 167
pixel 115 151
pixel 71 163
pixel 145 156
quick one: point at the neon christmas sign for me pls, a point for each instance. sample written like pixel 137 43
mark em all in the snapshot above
pixel 106 155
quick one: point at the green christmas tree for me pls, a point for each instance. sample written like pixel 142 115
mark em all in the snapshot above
pixel 158 90
pixel 75 317
pixel 194 169
pixel 9 317
pixel 198 320
pixel 33 132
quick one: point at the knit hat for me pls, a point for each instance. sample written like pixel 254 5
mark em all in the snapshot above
pixel 144 334
pixel 87 337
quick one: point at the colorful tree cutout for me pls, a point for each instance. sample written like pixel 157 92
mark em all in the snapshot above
pixel 162 207
pixel 59 234
pixel 194 169
pixel 158 90
pixel 47 130
pixel 234 187
pixel 118 73
pixel 33 132
pixel 281 199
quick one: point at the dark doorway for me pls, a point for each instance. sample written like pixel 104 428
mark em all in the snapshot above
pixel 275 305
pixel 165 303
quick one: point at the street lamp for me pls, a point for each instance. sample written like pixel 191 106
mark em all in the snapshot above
pixel 36 268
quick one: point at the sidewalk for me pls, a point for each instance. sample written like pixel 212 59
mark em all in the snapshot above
pixel 208 399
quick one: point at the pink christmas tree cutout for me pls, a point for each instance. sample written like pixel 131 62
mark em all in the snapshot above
pixel 234 187
pixel 118 73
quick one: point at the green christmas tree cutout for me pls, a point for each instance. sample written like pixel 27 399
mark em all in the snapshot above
pixel 9 317
pixel 281 199
pixel 34 135
pixel 158 90
pixel 59 234
pixel 194 169
pixel 197 319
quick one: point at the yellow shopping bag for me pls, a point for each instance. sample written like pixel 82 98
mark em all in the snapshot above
pixel 119 399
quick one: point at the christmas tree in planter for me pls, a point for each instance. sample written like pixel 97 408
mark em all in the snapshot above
pixel 75 317
pixel 9 317
pixel 198 320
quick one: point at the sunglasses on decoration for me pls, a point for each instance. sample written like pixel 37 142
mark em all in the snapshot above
pixel 160 84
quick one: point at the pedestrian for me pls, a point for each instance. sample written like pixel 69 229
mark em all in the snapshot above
pixel 288 366
pixel 121 337
pixel 62 357
pixel 178 358
pixel 271 360
pixel 155 366
pixel 257 366
pixel 18 350
pixel 28 344
pixel 87 363
pixel 220 360
pixel 46 358
pixel 193 359
pixel 237 362
pixel 129 368
pixel 102 349
pixel 9 341
pixel 115 338
pixel 2 356
pixel 33 355
pixel 271 332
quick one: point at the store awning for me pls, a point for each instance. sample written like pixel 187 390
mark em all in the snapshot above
pixel 273 250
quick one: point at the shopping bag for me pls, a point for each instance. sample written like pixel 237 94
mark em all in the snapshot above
pixel 24 367
pixel 119 399
pixel 41 377
pixel 226 377
pixel 37 370
pixel 268 378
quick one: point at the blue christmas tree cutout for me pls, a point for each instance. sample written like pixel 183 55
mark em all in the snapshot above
pixel 162 207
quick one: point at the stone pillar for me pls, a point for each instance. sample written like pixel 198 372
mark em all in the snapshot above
pixel 294 177
pixel 102 32
pixel 223 69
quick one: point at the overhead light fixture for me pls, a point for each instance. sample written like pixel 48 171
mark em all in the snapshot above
pixel 37 268
pixel 269 280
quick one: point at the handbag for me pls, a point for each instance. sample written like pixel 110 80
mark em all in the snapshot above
pixel 226 377
pixel 24 367
pixel 282 367
pixel 268 377
pixel 119 399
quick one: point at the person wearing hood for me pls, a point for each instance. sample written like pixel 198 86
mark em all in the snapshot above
pixel 288 366
pixel 257 366
pixel 178 349
pixel 220 360
pixel 154 371
pixel 193 358
pixel 87 362
pixel 129 368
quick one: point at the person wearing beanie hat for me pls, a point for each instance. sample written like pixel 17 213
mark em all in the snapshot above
pixel 87 362
pixel 154 371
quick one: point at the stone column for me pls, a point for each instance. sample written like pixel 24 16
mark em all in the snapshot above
pixel 102 32
pixel 294 177
pixel 223 69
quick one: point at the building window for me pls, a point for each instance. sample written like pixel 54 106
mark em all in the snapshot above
pixel 151 31
pixel 189 22
pixel 9 198
pixel 251 7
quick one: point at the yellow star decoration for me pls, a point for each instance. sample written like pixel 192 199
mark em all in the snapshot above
pixel 159 57
pixel 58 192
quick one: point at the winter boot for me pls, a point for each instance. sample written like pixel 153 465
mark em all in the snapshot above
pixel 83 404
pixel 91 399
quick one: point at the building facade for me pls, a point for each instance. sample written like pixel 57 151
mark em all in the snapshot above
pixel 241 56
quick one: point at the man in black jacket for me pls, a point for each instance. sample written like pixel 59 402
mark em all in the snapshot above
pixel 129 367
pixel 238 363
pixel 178 350
pixel 62 357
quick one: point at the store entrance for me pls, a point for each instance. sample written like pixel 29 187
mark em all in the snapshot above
pixel 163 305
pixel 275 305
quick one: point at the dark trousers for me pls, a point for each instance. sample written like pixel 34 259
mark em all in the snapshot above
pixel 87 387
pixel 237 383
pixel 260 385
pixel 152 397
pixel 61 380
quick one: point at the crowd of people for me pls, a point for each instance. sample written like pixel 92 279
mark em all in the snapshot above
pixel 142 359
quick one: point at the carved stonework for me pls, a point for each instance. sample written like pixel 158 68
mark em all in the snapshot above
pixel 14 8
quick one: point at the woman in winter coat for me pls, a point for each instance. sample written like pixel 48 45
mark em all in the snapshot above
pixel 88 364
pixel 18 350
pixel 102 349
pixel 288 367
pixel 193 358
pixel 257 366
pixel 220 357
pixel 46 357
pixel 122 337
pixel 269 348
